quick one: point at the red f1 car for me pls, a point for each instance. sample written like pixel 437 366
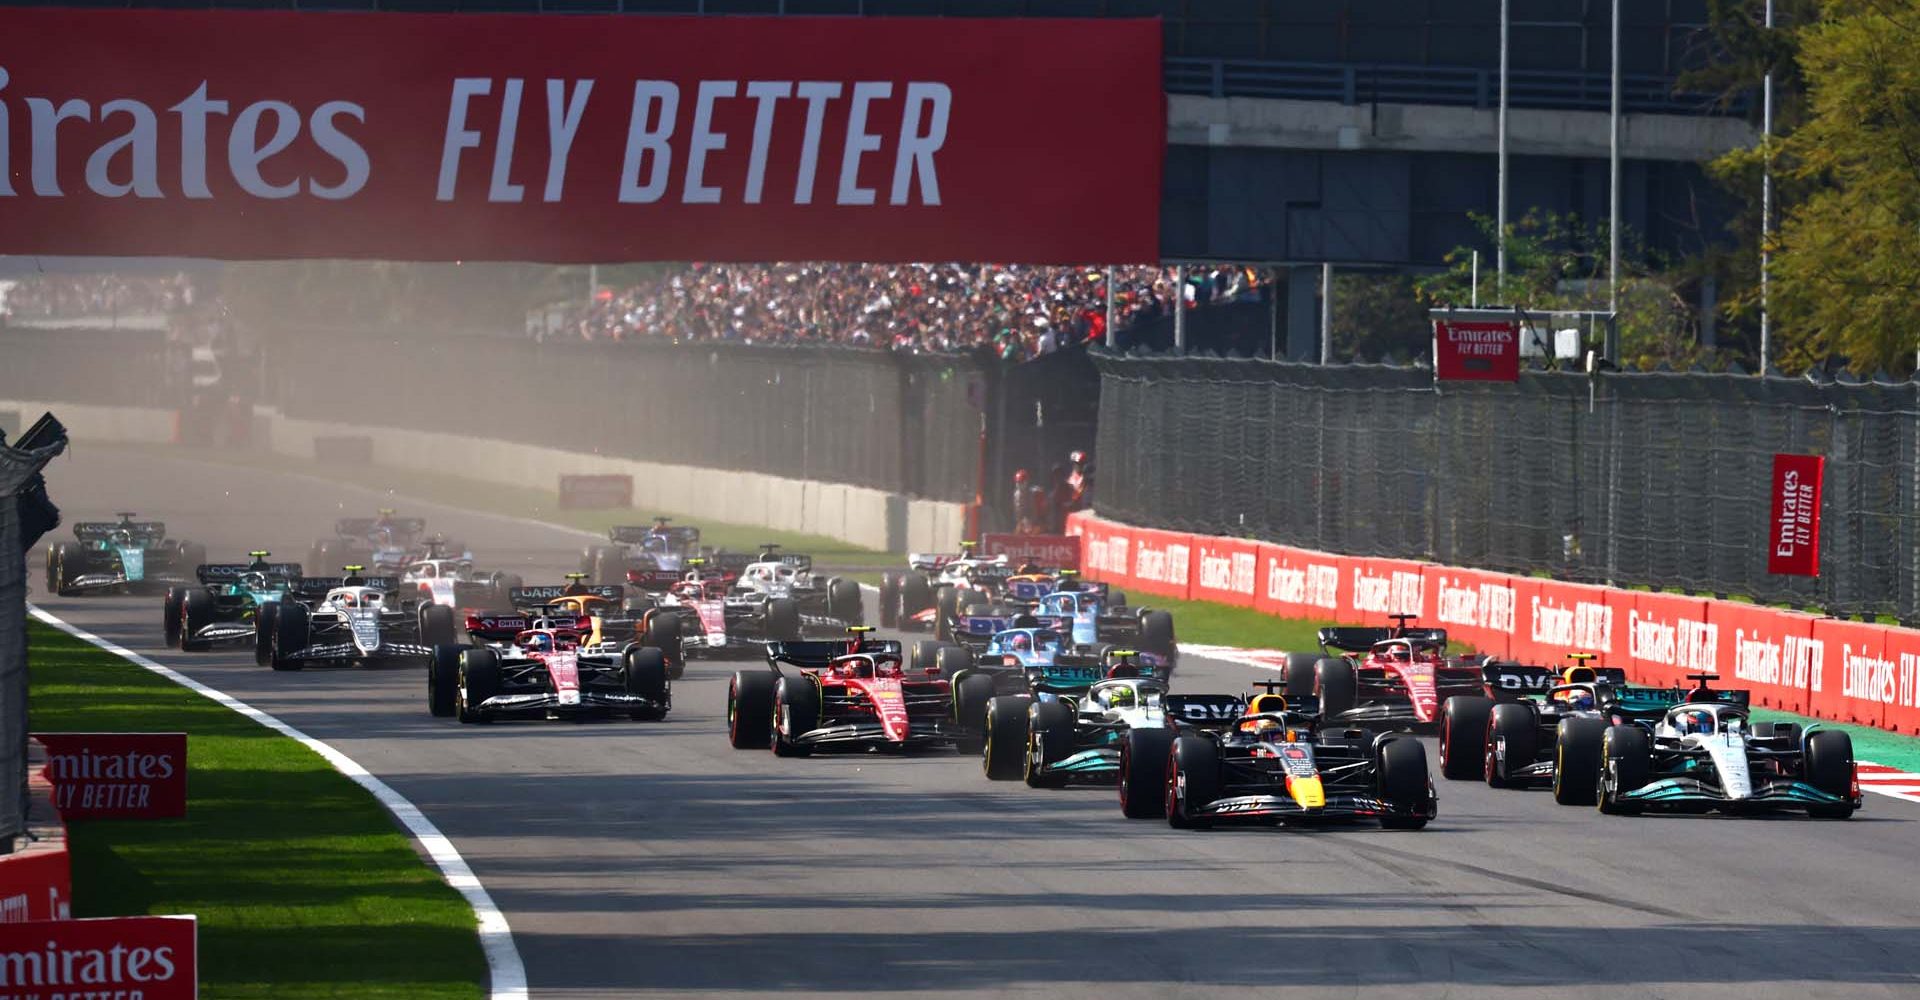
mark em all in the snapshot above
pixel 1384 677
pixel 839 694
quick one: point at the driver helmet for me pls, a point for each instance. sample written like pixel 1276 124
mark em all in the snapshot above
pixel 1021 642
pixel 121 538
pixel 1400 653
pixel 349 600
pixel 1580 699
pixel 1261 727
pixel 540 642
pixel 254 581
pixel 1121 697
pixel 1269 702
pixel 1695 721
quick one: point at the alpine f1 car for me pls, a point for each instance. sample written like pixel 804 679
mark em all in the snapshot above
pixel 1519 732
pixel 1707 755
pixel 357 620
pixel 554 665
pixel 1093 613
pixel 850 694
pixel 445 576
pixel 1384 677
pixel 121 556
pixel 384 543
pixel 650 556
pixel 1049 740
pixel 1276 765
pixel 225 605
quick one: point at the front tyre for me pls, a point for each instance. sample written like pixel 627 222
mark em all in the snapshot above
pixel 1006 739
pixel 1463 736
pixel 750 709
pixel 1143 769
pixel 1830 768
pixel 1403 784
pixel 1576 766
pixel 1193 782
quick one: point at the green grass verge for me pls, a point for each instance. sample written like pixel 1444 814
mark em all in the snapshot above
pixel 303 885
pixel 538 504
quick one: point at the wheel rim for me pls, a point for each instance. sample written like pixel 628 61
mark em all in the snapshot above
pixel 1488 771
pixel 1173 788
pixel 1126 768
pixel 1446 739
pixel 733 712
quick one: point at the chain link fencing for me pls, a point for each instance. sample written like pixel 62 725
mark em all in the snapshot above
pixel 1657 479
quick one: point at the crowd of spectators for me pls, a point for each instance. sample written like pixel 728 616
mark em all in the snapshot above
pixel 1016 312
pixel 77 296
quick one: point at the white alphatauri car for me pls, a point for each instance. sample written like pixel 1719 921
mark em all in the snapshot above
pixel 364 620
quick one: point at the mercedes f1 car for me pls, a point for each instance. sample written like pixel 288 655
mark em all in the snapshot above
pixel 356 620
pixel 121 556
pixel 648 556
pixel 1275 764
pixel 850 693
pixel 384 543
pixel 1050 740
pixel 1027 666
pixel 1707 755
pixel 227 603
pixel 555 664
pixel 1383 678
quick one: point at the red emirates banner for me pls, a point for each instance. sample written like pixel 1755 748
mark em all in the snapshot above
pixel 1478 350
pixel 127 958
pixel 1793 535
pixel 580 138
pixel 117 775
pixel 1045 551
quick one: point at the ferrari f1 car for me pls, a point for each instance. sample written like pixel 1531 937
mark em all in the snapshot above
pixel 1384 678
pixel 1707 755
pixel 551 665
pixel 384 543
pixel 120 556
pixel 1276 765
pixel 225 605
pixel 649 556
pixel 1049 740
pixel 852 693
pixel 356 620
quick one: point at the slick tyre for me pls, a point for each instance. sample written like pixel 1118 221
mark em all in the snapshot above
pixel 264 618
pixel 946 603
pixel 1143 770
pixel 1577 757
pixel 170 615
pixel 290 635
pixel 443 678
pixel 1300 673
pixel 663 633
pixel 924 655
pixel 1511 741
pixel 1334 681
pixel 970 698
pixel 750 709
pixel 796 712
pixel 1830 768
pixel 1049 741
pixel 1627 752
pixel 950 660
pixel 196 613
pixel 437 626
pixel 644 674
pixel 60 569
pixel 1156 634
pixel 479 679
pixel 1402 783
pixel 1006 743
pixel 783 619
pixel 844 601
pixel 1193 782
pixel 1463 737
pixel 889 600
pixel 916 595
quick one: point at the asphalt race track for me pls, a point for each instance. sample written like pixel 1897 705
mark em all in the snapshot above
pixel 636 857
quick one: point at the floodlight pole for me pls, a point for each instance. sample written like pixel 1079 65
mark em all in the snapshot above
pixel 1766 203
pixel 1326 313
pixel 1180 307
pixel 1500 223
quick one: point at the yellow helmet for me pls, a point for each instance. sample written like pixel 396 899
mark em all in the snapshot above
pixel 1268 702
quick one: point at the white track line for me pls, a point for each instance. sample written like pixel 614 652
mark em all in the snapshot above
pixel 508 973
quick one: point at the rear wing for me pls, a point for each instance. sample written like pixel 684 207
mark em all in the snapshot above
pixel 98 531
pixel 654 579
pixel 732 562
pixel 634 534
pixel 1359 639
pixel 316 587
pixel 229 572
pixel 1507 681
pixel 818 654
pixel 531 596
pixel 1204 711
pixel 800 564
pixel 983 626
pixel 354 527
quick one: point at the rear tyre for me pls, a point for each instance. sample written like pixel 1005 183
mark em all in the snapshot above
pixel 946 603
pixel 1829 767
pixel 290 635
pixel 916 595
pixel 437 627
pixel 1463 736
pixel 783 619
pixel 663 633
pixel 750 709
pixel 889 600
pixel 923 655
pixel 1628 755
pixel 196 613
pixel 264 617
pixel 1049 741
pixel 609 566
pixel 645 675
pixel 1143 771
pixel 504 584
pixel 1300 673
pixel 1402 783
pixel 1156 633
pixel 170 615
pixel 1511 741
pixel 1116 598
pixel 479 679
pixel 970 698
pixel 950 660
pixel 58 572
pixel 1193 782
pixel 796 709
pixel 1339 690
pixel 845 602
pixel 443 678
pixel 1576 766
pixel 1006 742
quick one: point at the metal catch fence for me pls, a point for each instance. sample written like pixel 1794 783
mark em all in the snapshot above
pixel 1659 479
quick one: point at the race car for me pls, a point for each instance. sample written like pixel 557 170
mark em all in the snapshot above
pixel 1511 736
pixel 446 576
pixel 1093 613
pixel 722 614
pixel 225 604
pixel 384 543
pixel 1276 764
pixel 1707 755
pixel 357 620
pixel 551 665
pixel 651 556
pixel 1009 671
pixel 777 575
pixel 1384 678
pixel 907 598
pixel 839 694
pixel 1049 740
pixel 121 556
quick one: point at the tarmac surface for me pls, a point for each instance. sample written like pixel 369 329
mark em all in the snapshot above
pixel 636 858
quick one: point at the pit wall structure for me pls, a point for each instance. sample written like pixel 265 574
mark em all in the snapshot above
pixel 862 516
pixel 1836 669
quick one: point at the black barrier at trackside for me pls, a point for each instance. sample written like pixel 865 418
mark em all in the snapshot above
pixel 26 513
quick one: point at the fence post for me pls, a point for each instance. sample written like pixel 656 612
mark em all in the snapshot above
pixel 1180 307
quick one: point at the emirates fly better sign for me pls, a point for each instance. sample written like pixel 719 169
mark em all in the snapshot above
pixel 1478 349
pixel 1793 536
pixel 582 138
